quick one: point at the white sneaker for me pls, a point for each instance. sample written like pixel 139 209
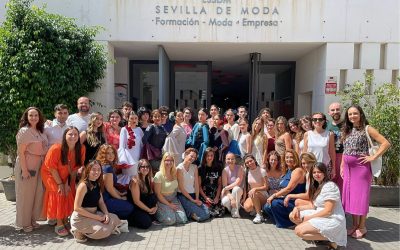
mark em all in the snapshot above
pixel 258 219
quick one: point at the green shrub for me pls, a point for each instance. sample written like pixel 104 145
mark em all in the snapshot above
pixel 45 59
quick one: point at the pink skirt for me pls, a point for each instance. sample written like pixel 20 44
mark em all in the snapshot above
pixel 356 185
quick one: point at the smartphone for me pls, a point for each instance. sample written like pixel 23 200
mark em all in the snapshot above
pixel 31 172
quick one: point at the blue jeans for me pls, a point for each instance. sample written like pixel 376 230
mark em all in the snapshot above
pixel 191 208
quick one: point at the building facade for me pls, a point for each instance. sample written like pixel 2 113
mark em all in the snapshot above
pixel 289 55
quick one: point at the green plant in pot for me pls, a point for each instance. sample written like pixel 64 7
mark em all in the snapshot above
pixel 381 104
pixel 45 59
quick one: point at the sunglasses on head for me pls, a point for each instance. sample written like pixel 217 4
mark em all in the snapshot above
pixel 318 119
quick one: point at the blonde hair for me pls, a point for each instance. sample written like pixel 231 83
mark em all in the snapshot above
pixel 308 157
pixel 91 137
pixel 173 167
pixel 256 137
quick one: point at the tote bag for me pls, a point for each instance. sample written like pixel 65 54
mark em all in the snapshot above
pixel 376 165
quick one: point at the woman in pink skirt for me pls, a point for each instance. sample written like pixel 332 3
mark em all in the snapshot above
pixel 356 167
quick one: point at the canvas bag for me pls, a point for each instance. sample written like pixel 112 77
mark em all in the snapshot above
pixel 376 165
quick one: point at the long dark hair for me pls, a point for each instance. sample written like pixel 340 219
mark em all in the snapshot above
pixel 65 148
pixel 315 186
pixel 247 169
pixel 86 172
pixel 203 164
pixel 24 119
pixel 145 182
pixel 348 125
pixel 277 157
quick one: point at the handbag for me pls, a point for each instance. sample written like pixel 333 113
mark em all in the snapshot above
pixel 376 165
pixel 149 152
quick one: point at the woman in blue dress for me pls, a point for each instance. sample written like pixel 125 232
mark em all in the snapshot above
pixel 199 138
pixel 293 182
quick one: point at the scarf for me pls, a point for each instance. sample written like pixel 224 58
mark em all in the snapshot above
pixel 131 139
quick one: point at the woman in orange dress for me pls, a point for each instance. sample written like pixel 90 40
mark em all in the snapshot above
pixel 59 173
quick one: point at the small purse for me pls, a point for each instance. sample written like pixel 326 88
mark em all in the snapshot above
pixel 376 165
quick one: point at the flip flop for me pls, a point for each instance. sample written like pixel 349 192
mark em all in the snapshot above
pixel 61 231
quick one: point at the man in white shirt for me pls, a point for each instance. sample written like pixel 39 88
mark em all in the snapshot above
pixel 80 120
pixel 55 129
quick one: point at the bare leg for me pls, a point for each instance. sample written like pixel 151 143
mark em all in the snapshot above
pixel 258 200
pixel 362 221
pixel 248 205
pixel 356 222
pixel 308 232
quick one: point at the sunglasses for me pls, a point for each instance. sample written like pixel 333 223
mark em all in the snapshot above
pixel 318 119
pixel 145 166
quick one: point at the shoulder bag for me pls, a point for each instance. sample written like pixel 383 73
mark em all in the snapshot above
pixel 376 165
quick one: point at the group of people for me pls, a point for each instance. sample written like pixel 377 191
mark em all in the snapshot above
pixel 157 167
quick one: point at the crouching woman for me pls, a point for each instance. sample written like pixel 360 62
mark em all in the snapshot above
pixel 324 219
pixel 86 220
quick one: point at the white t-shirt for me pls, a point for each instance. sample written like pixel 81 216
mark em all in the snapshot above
pixel 80 122
pixel 188 177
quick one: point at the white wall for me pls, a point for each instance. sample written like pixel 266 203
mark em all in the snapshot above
pixel 105 95
pixel 296 20
pixel 310 76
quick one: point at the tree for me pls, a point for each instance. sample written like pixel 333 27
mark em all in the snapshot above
pixel 45 59
pixel 381 105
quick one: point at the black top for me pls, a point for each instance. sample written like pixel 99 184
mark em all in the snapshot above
pixel 92 151
pixel 209 179
pixel 92 196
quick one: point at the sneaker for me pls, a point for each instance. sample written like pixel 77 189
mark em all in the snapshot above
pixel 253 213
pixel 258 219
pixel 195 217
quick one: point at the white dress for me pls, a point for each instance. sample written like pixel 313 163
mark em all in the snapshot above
pixel 257 149
pixel 129 156
pixel 318 144
pixel 332 227
pixel 242 143
pixel 175 143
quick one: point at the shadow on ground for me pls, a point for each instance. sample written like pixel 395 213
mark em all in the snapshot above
pixel 45 234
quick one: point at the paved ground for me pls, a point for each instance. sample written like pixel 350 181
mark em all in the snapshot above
pixel 225 233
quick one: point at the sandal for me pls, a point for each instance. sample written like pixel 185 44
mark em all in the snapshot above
pixel 79 237
pixel 35 225
pixel 60 231
pixel 351 230
pixel 28 229
pixel 332 245
pixel 359 233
